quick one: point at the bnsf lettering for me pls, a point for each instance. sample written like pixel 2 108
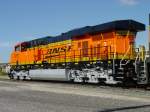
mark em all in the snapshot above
pixel 58 50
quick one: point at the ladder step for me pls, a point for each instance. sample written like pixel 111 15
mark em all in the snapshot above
pixel 141 65
pixel 120 68
pixel 142 71
pixel 120 73
pixel 119 77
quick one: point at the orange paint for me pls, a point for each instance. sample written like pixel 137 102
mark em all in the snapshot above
pixel 89 47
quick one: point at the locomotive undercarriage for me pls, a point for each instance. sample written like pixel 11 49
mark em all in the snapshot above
pixel 106 72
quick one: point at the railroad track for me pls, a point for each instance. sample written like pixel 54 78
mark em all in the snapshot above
pixel 91 85
pixel 87 85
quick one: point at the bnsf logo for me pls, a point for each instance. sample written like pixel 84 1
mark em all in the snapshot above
pixel 58 50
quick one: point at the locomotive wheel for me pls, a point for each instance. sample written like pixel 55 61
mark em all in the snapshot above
pixel 10 76
pixel 18 77
pixel 129 82
pixel 71 80
pixel 24 78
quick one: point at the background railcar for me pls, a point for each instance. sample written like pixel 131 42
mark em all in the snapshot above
pixel 102 53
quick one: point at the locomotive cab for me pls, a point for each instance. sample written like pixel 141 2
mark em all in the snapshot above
pixel 17 54
pixel 14 55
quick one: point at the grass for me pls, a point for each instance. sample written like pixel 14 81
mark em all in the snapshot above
pixel 2 73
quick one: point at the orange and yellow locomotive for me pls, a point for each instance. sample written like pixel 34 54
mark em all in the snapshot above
pixel 107 48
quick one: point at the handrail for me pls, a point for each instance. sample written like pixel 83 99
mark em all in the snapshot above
pixel 124 57
pixel 104 53
pixel 136 59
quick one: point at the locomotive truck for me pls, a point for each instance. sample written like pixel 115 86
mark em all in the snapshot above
pixel 104 53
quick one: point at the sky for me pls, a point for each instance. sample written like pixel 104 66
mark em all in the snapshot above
pixel 22 20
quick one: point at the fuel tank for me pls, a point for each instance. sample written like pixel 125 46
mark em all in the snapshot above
pixel 48 74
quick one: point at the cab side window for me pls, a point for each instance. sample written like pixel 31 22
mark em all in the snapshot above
pixel 24 47
pixel 17 48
